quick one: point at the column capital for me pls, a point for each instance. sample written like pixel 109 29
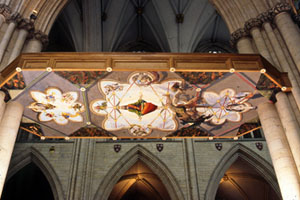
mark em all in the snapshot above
pixel 26 24
pixel 282 7
pixel 237 35
pixel 5 11
pixel 266 17
pixel 15 18
pixel 253 23
pixel 40 36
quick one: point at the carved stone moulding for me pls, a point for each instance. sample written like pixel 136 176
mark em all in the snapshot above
pixel 237 35
pixel 252 23
pixel 40 36
pixel 282 7
pixel 5 11
pixel 267 16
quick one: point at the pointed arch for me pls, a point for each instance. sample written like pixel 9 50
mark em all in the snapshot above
pixel 138 153
pixel 264 168
pixel 33 155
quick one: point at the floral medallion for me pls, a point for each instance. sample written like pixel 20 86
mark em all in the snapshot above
pixel 57 106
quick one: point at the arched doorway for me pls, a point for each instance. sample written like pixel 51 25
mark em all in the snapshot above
pixel 243 163
pixel 28 183
pixel 139 182
pixel 242 181
pixel 128 162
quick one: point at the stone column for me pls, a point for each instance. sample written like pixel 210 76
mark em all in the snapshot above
pixel 244 45
pixel 18 45
pixel 282 158
pixel 4 13
pixel 36 43
pixel 252 26
pixel 290 125
pixel 33 46
pixel 2 104
pixel 25 26
pixel 9 127
pixel 191 173
pixel 242 41
pixel 8 34
pixel 6 38
pixel 289 31
pixel 265 18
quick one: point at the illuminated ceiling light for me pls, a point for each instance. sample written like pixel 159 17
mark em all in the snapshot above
pixel 235 138
pixel 67 138
pixel 172 69
pixel 82 89
pixel 88 123
pixel 108 69
pixel 43 137
pixel 210 138
pixel 198 90
pixel 18 69
pixel 49 69
pixel 34 12
pixel 283 88
pixel 263 71
pixel 164 138
pixel 232 70
pixel 114 138
pixel 225 178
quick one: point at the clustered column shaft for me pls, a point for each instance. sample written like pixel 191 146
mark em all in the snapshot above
pixel 9 127
pixel 285 169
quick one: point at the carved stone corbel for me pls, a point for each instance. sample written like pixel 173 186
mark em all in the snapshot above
pixel 237 35
pixel 282 7
pixel 40 36
pixel 26 24
pixel 252 23
pixel 5 11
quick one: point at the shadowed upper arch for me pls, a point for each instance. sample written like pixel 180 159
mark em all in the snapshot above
pixel 33 155
pixel 264 168
pixel 138 153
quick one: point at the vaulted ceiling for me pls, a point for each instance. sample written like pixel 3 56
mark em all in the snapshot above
pixel 139 25
pixel 243 181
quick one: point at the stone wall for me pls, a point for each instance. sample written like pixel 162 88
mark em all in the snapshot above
pixel 88 169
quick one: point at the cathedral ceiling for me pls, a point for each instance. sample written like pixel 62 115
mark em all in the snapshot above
pixel 140 95
pixel 176 26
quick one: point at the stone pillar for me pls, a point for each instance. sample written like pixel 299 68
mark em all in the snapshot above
pixel 6 38
pixel 4 13
pixel 252 26
pixel 289 31
pixel 9 127
pixel 25 26
pixel 18 45
pixel 244 45
pixel 33 46
pixel 2 19
pixel 36 43
pixel 290 126
pixel 2 104
pixel 242 41
pixel 265 17
pixel 191 173
pixel 282 158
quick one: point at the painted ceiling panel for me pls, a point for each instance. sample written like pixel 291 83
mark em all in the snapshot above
pixel 149 104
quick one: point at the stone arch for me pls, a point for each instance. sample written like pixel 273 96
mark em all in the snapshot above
pixel 264 168
pixel 139 153
pixel 33 155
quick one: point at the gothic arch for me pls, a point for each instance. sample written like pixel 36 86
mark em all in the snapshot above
pixel 243 152
pixel 33 155
pixel 139 153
